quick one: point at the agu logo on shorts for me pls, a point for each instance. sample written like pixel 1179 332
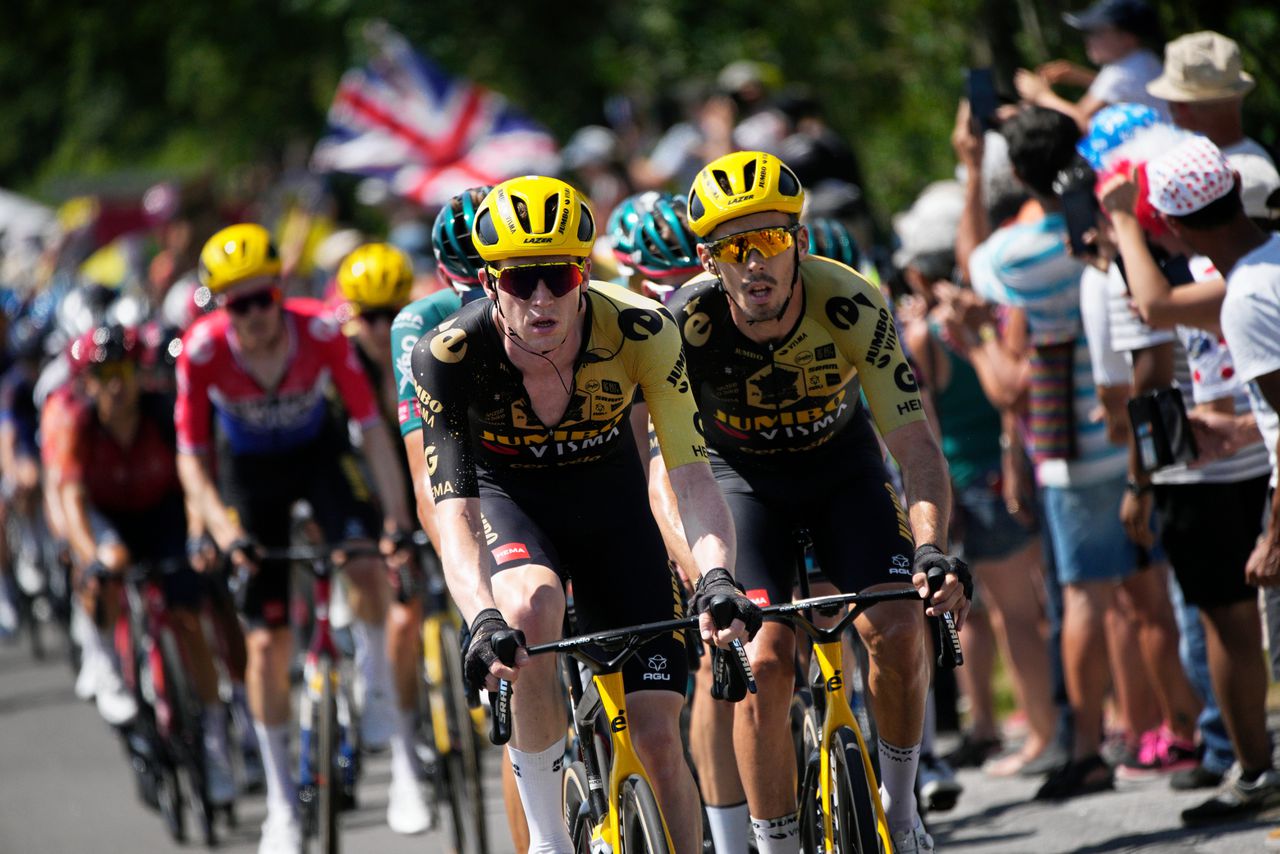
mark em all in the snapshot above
pixel 657 664
pixel 509 552
pixel 760 596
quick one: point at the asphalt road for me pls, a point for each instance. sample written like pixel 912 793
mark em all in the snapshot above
pixel 65 787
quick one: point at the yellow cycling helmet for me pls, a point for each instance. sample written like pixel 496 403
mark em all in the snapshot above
pixel 742 183
pixel 236 253
pixel 376 275
pixel 533 216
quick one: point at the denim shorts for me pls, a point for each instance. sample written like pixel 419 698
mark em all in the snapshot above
pixel 988 531
pixel 1089 542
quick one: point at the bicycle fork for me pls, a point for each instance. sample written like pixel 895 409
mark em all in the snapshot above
pixel 830 658
pixel 310 776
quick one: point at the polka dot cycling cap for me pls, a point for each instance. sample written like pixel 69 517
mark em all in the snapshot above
pixel 1191 176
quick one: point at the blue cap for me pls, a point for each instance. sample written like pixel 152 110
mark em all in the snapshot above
pixel 1132 16
pixel 1111 127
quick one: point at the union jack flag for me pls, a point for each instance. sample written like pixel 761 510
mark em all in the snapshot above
pixel 429 135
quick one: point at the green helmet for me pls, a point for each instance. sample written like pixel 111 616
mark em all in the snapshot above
pixel 831 239
pixel 664 243
pixel 451 236
pixel 623 222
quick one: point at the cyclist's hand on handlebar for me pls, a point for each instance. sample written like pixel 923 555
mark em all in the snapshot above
pixel 202 552
pixel 715 587
pixel 495 651
pixel 244 553
pixel 956 590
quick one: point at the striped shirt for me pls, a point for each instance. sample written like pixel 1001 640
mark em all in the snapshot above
pixel 1027 266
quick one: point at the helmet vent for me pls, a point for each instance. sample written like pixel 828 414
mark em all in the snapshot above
pixel 696 210
pixel 586 224
pixel 522 213
pixel 484 228
pixel 749 174
pixel 550 210
pixel 788 183
pixel 722 178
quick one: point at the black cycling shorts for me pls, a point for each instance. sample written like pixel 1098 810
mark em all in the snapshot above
pixel 262 489
pixel 861 536
pixel 1208 530
pixel 592 525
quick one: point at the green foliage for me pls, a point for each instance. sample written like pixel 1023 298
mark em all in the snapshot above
pixel 195 86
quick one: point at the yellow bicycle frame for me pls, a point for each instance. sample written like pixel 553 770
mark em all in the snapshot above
pixel 830 658
pixel 613 699
pixel 433 669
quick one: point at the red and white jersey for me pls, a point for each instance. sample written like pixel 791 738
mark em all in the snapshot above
pixel 213 383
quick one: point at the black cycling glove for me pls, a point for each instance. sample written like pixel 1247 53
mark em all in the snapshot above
pixel 718 585
pixel 929 556
pixel 489 634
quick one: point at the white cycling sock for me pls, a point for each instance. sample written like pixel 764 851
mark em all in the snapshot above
pixel 898 784
pixel 281 792
pixel 214 719
pixel 538 780
pixel 403 764
pixel 775 835
pixel 729 826
pixel 930 724
pixel 371 656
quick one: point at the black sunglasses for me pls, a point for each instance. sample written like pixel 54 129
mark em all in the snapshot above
pixel 522 280
pixel 241 306
pixel 373 316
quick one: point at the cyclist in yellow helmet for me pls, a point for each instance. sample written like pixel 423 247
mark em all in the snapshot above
pixel 525 398
pixel 254 378
pixel 375 280
pixel 779 345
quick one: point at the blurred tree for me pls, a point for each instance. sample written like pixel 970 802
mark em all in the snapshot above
pixel 205 86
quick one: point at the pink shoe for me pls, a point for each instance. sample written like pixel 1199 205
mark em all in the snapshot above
pixel 1159 753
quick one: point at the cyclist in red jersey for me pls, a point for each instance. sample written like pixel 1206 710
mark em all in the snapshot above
pixel 253 380
pixel 123 503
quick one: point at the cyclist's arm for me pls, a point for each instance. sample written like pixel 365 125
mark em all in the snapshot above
pixel 75 508
pixel 662 502
pixel 925 479
pixel 426 506
pixel 205 510
pixel 708 526
pixel 464 555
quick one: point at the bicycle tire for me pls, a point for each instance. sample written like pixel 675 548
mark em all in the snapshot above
pixel 189 735
pixel 327 772
pixel 809 815
pixel 853 811
pixel 577 791
pixel 465 783
pixel 643 830
pixel 169 799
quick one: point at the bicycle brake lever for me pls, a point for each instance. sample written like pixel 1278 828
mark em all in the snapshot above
pixel 950 654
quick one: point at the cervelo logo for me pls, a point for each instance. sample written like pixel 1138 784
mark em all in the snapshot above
pixel 760 597
pixel 510 551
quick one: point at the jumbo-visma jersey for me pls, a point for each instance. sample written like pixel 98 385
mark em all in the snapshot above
pixel 476 412
pixel 801 392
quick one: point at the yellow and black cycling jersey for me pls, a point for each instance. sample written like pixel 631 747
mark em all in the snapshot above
pixel 477 416
pixel 802 392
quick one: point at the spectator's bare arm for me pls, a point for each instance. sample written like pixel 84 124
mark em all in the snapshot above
pixel 973 227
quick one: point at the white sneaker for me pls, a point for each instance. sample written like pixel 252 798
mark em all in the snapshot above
pixel 221 781
pixel 913 841
pixel 91 664
pixel 407 812
pixel 377 719
pixel 115 702
pixel 280 835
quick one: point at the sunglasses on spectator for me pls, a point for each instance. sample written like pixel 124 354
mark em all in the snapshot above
pixel 769 242
pixel 242 305
pixel 104 372
pixel 374 316
pixel 522 280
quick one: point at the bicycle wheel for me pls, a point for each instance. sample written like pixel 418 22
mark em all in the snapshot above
pixel 577 819
pixel 643 831
pixel 187 734
pixel 326 770
pixel 853 812
pixel 809 816
pixel 462 763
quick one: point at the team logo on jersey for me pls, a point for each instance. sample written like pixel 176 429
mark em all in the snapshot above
pixel 905 379
pixel 639 324
pixel 774 386
pixel 449 346
pixel 843 312
pixel 697 329
pixel 432 459
pixel 199 346
pixel 511 551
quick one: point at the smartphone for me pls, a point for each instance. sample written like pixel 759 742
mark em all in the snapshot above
pixel 1161 429
pixel 1080 208
pixel 980 89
